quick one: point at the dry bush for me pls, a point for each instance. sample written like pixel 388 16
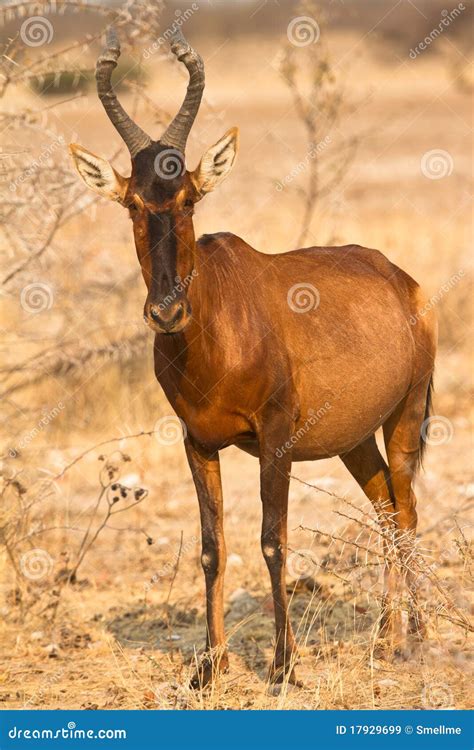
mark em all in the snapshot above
pixel 44 205
pixel 46 544
pixel 320 101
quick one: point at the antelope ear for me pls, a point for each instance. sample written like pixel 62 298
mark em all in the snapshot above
pixel 98 174
pixel 216 163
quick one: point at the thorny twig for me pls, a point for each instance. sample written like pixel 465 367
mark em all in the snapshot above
pixel 401 550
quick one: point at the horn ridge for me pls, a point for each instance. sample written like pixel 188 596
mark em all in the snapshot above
pixel 133 136
pixel 177 132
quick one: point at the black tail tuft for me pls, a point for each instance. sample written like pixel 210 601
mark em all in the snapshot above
pixel 425 426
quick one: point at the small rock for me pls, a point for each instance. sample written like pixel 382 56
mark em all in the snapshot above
pixel 274 691
pixel 237 594
pixel 130 480
pixel 242 603
pixel 172 505
pixel 37 635
pixel 52 650
pixel 234 559
pixel 324 482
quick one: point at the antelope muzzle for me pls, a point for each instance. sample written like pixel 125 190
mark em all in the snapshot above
pixel 167 315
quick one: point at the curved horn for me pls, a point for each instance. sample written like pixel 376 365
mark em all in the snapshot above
pixel 176 134
pixel 134 137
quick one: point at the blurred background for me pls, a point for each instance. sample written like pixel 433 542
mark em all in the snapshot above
pixel 356 127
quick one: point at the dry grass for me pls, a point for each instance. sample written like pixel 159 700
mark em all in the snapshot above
pixel 126 634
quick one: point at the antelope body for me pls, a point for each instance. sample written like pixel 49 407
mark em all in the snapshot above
pixel 294 356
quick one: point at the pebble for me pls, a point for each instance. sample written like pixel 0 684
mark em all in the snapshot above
pixel 234 559
pixel 238 594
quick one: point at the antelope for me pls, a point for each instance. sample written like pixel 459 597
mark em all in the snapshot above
pixel 241 365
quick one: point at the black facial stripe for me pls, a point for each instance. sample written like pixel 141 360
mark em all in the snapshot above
pixel 163 254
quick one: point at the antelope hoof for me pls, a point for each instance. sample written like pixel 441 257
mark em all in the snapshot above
pixel 416 627
pixel 208 669
pixel 390 639
pixel 280 681
pixel 392 648
pixel 279 675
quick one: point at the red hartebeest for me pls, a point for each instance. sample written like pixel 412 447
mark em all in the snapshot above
pixel 241 365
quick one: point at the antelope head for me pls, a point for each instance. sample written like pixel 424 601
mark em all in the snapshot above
pixel 160 193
